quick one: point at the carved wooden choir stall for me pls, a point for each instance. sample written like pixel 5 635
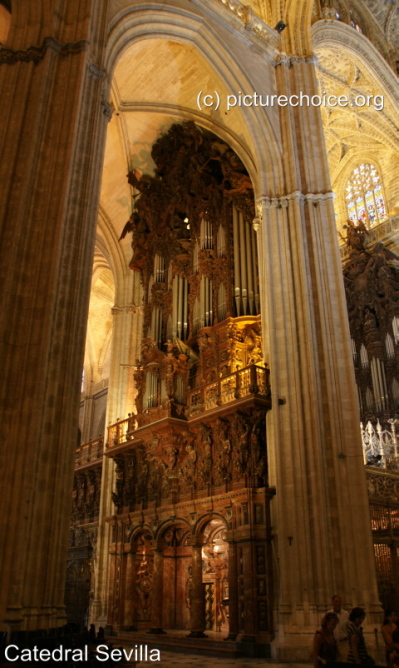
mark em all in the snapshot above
pixel 191 529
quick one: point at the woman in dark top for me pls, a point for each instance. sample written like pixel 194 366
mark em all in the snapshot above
pixel 357 646
pixel 388 627
pixel 324 644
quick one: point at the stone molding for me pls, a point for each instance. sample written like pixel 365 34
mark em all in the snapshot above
pixel 283 202
pixel 290 60
pixel 129 308
pixel 320 197
pixel 34 54
pixel 252 23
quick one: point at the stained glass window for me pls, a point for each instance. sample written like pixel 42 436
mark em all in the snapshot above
pixel 364 197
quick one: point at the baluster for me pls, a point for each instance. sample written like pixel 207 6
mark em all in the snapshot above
pixel 238 385
pixel 364 445
pixel 381 450
pixel 393 436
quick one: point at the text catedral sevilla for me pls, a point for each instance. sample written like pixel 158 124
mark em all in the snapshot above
pixel 103 653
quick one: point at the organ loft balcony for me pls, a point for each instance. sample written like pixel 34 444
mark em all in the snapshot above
pixel 199 429
pixel 223 373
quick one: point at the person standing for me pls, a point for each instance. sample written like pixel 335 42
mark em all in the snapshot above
pixel 357 647
pixel 390 625
pixel 341 630
pixel 324 644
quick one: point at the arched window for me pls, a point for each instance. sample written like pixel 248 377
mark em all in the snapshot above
pixel 364 198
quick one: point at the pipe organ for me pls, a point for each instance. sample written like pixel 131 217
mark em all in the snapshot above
pixel 371 281
pixel 246 290
pixel 198 430
pixel 210 265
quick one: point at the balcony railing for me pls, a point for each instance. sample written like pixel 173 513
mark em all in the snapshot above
pixel 380 446
pixel 119 433
pixel 89 452
pixel 253 380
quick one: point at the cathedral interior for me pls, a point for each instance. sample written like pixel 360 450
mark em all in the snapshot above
pixel 200 318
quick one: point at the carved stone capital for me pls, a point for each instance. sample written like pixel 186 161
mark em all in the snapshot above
pixel 282 59
pixel 290 60
pixel 271 203
pixel 129 308
pixel 320 197
pixel 296 196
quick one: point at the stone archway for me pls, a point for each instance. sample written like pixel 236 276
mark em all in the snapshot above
pixel 137 39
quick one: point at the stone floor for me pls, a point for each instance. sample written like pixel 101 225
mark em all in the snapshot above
pixel 169 659
pixel 184 657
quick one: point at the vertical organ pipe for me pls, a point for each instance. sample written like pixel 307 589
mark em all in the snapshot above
pixel 159 268
pixel 152 329
pixel 237 279
pixel 174 305
pixel 250 261
pixel 255 270
pixel 185 309
pixel 221 303
pixel 169 328
pixel 206 291
pixel 379 385
pixel 202 304
pixel 180 308
pixel 178 305
pixel 243 260
pixel 210 300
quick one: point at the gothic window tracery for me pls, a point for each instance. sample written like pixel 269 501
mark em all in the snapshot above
pixel 364 196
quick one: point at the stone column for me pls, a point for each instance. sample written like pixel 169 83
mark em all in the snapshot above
pixel 198 596
pixel 157 594
pixel 52 141
pixel 320 512
pixel 233 592
pixel 130 593
pixel 125 345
